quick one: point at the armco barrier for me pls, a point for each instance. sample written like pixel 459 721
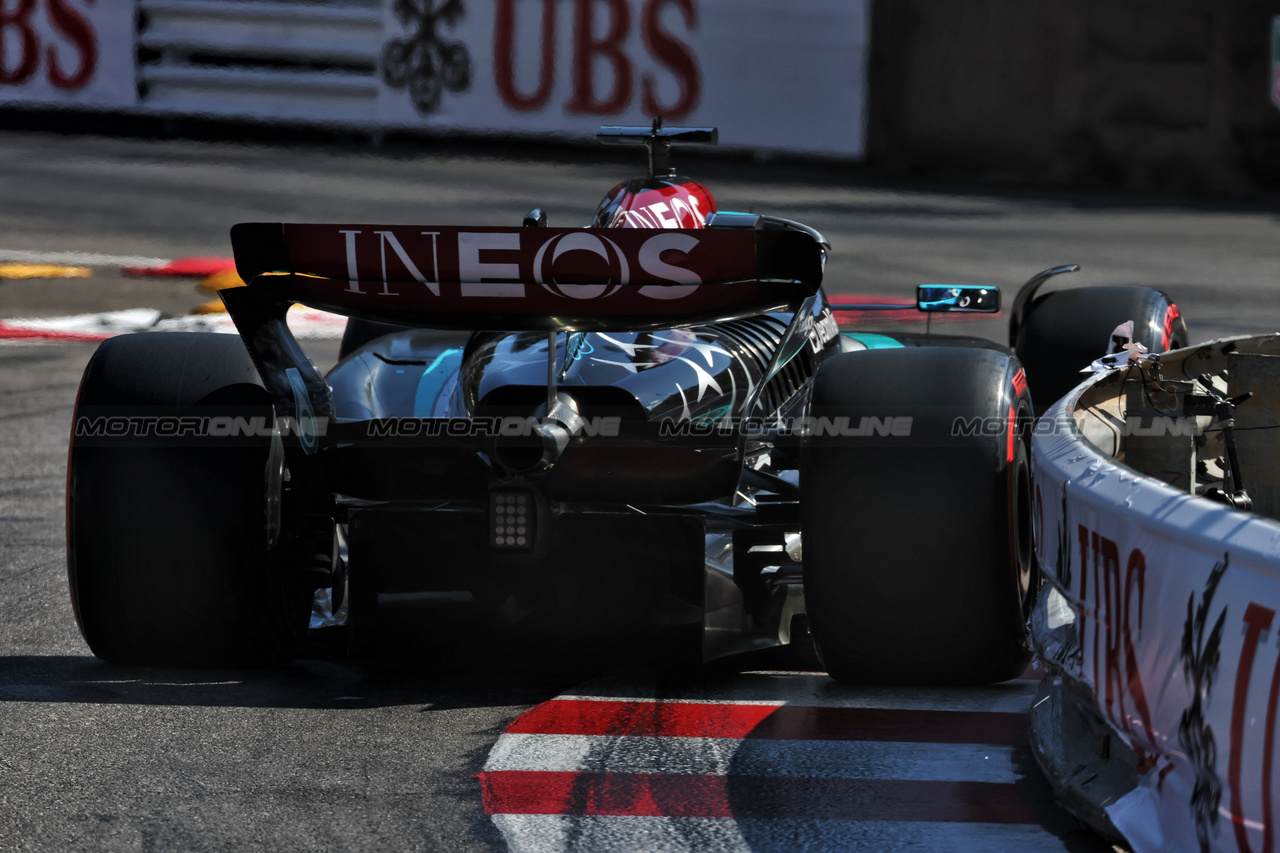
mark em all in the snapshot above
pixel 1164 607
pixel 779 79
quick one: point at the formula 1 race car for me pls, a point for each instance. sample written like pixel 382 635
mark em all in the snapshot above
pixel 519 412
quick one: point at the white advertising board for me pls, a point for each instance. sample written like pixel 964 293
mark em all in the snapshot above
pixel 68 53
pixel 787 77
pixel 1175 601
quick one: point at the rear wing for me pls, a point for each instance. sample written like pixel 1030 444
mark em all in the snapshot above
pixel 581 279
pixel 505 279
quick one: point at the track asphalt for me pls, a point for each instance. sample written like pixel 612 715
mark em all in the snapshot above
pixel 473 738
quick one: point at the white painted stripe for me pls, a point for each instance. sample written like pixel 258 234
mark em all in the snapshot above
pixel 725 756
pixel 809 690
pixel 131 320
pixel 91 259
pixel 546 833
pixel 306 323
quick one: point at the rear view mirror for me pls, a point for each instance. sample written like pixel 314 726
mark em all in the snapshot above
pixel 958 297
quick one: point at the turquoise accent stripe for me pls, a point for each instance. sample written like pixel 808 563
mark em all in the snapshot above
pixel 872 341
pixel 429 386
pixel 441 357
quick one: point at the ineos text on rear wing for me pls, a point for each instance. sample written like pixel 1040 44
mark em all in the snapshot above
pixel 528 278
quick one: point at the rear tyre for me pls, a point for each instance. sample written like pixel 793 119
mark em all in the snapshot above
pixel 169 536
pixel 1066 330
pixel 918 566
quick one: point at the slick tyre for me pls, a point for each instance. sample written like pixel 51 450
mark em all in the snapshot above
pixel 169 545
pixel 1066 330
pixel 917 553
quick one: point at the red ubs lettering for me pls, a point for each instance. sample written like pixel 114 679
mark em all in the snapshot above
pixel 17 30
pixel 1257 620
pixel 1115 674
pixel 600 31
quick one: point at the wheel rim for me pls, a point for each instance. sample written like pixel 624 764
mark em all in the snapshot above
pixel 1023 533
pixel 1022 530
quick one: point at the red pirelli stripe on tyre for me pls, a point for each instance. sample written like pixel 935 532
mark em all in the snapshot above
pixel 1011 430
pixel 1171 316
pixel 1019 383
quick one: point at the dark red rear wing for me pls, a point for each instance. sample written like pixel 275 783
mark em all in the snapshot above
pixel 529 278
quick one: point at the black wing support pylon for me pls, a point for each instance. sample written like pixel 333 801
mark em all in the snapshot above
pixel 658 140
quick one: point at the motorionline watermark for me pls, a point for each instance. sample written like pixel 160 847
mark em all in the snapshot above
pixel 483 427
pixel 193 426
pixel 903 426
pixel 802 426
pixel 225 426
pixel 1140 426
pixel 260 426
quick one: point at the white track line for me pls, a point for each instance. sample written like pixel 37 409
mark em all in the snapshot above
pixel 545 833
pixel 602 787
pixel 1012 697
pixel 90 259
pixel 306 323
pixel 941 762
pixel 118 322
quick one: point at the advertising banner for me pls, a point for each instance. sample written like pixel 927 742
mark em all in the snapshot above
pixel 771 76
pixel 1175 601
pixel 68 53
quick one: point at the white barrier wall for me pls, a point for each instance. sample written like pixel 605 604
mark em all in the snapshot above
pixel 770 76
pixel 1174 600
pixel 773 77
pixel 68 53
